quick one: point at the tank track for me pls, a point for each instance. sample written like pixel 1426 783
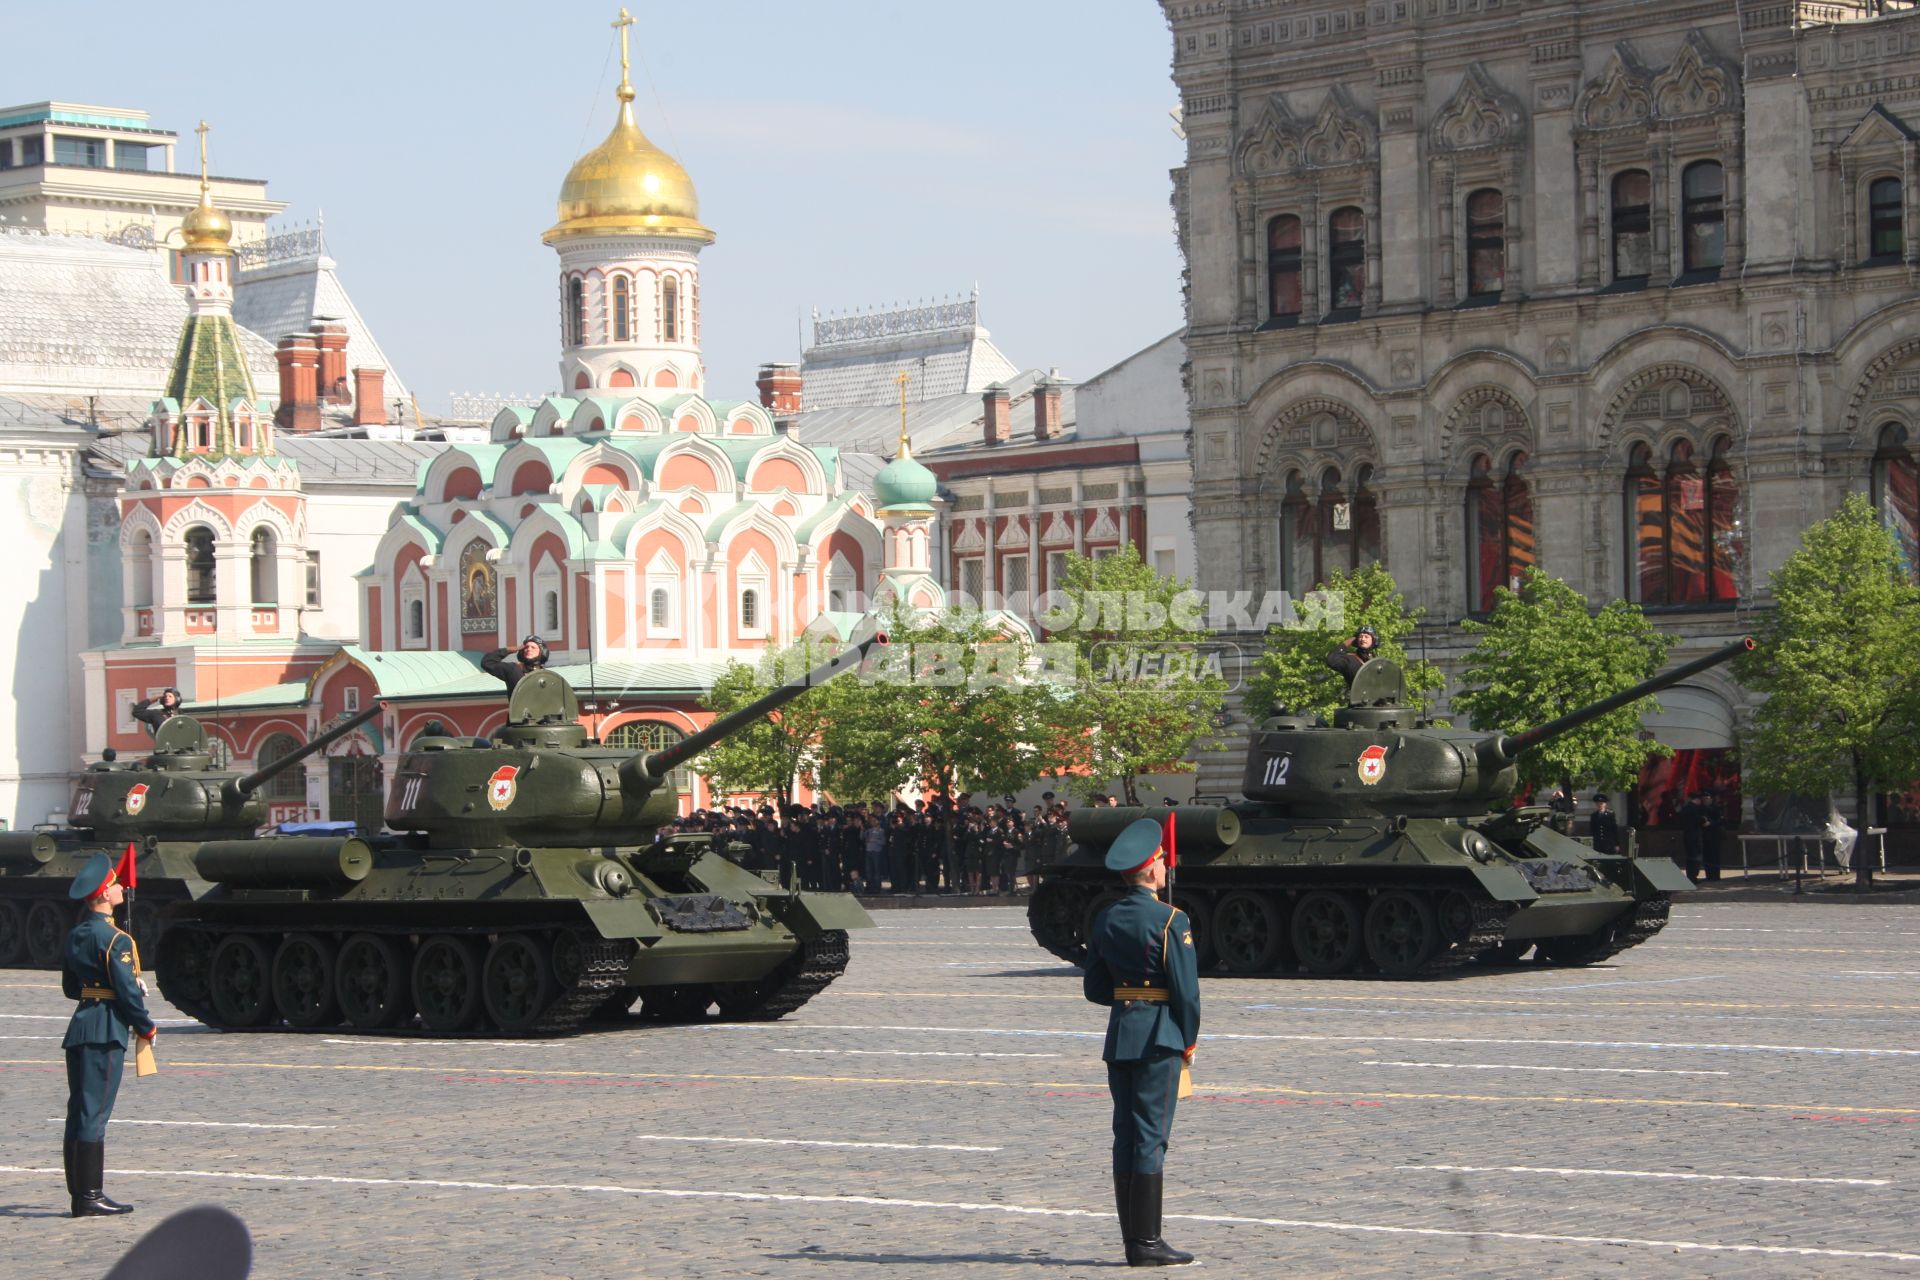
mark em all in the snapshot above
pixel 603 972
pixel 800 978
pixel 1648 918
pixel 1057 902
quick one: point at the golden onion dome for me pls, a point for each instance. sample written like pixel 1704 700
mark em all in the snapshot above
pixel 206 229
pixel 626 185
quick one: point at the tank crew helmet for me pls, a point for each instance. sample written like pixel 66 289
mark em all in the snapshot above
pixel 1369 632
pixel 539 644
pixel 94 879
pixel 1135 846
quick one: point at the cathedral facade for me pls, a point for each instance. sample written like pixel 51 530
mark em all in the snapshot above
pixel 1629 294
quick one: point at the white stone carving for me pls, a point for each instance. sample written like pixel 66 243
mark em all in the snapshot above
pixel 1479 114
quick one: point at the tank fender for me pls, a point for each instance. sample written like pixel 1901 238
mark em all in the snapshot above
pixel 811 914
pixel 1502 883
pixel 625 918
pixel 1655 876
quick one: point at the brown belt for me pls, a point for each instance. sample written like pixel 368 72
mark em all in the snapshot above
pixel 1151 995
pixel 98 993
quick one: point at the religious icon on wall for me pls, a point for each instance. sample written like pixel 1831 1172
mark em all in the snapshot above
pixel 478 609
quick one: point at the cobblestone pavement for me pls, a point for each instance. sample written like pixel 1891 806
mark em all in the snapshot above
pixel 1738 1097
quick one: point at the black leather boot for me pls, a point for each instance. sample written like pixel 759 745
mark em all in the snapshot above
pixel 1145 1248
pixel 89 1201
pixel 66 1158
pixel 1122 1201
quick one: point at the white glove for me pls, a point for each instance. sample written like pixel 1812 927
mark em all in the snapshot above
pixel 143 986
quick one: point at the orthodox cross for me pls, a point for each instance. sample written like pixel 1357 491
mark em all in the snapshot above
pixel 201 129
pixel 905 448
pixel 621 24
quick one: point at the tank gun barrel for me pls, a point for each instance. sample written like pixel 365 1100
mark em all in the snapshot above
pixel 660 763
pixel 1507 747
pixel 243 787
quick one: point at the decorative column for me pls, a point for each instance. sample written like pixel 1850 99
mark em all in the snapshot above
pixel 1251 248
pixel 1664 213
pixel 1447 294
pixel 1736 205
pixel 1313 244
pixel 1589 167
pixel 1371 299
pixel 1513 230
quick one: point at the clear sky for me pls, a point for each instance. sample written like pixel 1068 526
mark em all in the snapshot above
pixel 847 154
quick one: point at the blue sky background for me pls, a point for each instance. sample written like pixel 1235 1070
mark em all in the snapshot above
pixel 847 154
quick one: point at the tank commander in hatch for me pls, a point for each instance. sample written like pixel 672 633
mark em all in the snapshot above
pixel 154 712
pixel 1348 658
pixel 531 656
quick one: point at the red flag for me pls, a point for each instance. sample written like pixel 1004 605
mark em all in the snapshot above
pixel 124 873
pixel 1173 859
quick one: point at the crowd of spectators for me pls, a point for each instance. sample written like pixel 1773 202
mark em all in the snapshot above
pixel 995 848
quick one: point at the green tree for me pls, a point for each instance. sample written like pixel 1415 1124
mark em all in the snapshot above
pixel 1143 694
pixel 948 704
pixel 766 757
pixel 1292 671
pixel 1839 666
pixel 1542 653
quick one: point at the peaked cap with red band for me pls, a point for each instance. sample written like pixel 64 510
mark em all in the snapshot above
pixel 93 879
pixel 1136 845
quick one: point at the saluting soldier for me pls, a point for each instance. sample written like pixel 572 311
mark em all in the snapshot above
pixel 1141 963
pixel 100 973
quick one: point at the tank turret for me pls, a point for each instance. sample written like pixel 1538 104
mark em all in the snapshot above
pixel 1378 758
pixel 1381 843
pixel 176 793
pixel 539 780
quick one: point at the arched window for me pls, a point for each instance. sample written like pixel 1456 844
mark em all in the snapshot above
pixel 243 432
pixel 750 609
pixel 1486 244
pixel 1686 527
pixel 1347 258
pixel 550 612
pixel 1500 545
pixel 576 312
pixel 265 571
pixel 622 310
pixel 139 570
pixel 1703 216
pixel 416 619
pixel 1296 537
pixel 1283 267
pixel 1896 491
pixel 644 735
pixel 669 310
pixel 200 575
pixel 1632 215
pixel 658 609
pixel 1886 235
pixel 291 785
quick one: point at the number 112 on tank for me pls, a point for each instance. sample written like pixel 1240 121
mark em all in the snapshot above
pixel 1275 773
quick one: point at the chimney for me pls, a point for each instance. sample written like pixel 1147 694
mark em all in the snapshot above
pixel 369 386
pixel 331 335
pixel 299 358
pixel 999 420
pixel 1046 407
pixel 780 387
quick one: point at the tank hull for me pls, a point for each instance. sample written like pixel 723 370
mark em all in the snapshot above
pixel 36 914
pixel 1399 899
pixel 505 941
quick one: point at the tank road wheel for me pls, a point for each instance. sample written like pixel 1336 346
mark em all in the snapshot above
pixel 1326 932
pixel 371 980
pixel 1054 915
pixel 47 927
pixel 13 934
pixel 144 925
pixel 240 982
pixel 446 982
pixel 186 960
pixel 1402 934
pixel 1248 932
pixel 1201 917
pixel 517 982
pixel 303 985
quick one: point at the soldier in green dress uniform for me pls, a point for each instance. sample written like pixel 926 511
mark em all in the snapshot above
pixel 100 973
pixel 1141 963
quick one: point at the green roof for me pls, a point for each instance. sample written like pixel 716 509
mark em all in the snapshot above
pixel 274 695
pixel 208 365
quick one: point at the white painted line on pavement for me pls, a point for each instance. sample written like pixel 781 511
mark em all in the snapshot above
pixel 808 1142
pixel 1639 982
pixel 206 1124
pixel 1508 1066
pixel 923 1053
pixel 1641 1173
pixel 961 1206
pixel 1325 1039
pixel 389 1042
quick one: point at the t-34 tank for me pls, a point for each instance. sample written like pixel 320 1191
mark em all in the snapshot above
pixel 523 892
pixel 165 805
pixel 1380 844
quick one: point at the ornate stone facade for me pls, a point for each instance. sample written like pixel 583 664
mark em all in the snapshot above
pixel 1639 286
